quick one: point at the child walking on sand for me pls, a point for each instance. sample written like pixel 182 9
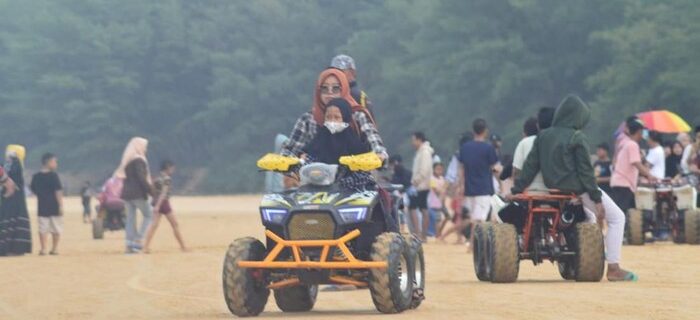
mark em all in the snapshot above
pixel 161 206
pixel 436 201
pixel 47 187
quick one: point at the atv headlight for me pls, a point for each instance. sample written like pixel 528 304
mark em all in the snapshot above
pixel 274 215
pixel 350 215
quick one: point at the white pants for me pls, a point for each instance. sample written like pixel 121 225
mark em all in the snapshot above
pixel 478 206
pixel 616 225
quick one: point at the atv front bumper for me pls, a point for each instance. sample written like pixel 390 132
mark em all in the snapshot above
pixel 350 262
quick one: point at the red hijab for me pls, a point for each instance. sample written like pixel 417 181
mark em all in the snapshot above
pixel 319 109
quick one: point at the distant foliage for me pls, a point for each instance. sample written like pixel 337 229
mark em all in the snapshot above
pixel 210 83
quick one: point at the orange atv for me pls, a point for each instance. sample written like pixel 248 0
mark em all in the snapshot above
pixel 321 233
pixel 538 228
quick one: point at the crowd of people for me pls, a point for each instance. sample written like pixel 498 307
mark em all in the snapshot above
pixel 441 198
pixel 128 189
pixel 445 199
pixel 553 154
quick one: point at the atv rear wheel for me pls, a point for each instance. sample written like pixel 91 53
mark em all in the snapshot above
pixel 590 253
pixel 296 299
pixel 391 288
pixel 245 290
pixel 503 258
pixel 635 221
pixel 481 252
pixel 98 231
pixel 418 261
pixel 692 227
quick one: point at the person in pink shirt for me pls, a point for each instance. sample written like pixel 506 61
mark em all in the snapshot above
pixel 628 165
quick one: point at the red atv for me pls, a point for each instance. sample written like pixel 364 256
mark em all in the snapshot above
pixel 538 228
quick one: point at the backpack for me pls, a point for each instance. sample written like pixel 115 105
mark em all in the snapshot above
pixel 111 196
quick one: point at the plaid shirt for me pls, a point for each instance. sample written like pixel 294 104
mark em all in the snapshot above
pixel 305 130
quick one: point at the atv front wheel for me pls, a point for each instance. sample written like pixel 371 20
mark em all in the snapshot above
pixel 296 299
pixel 418 261
pixel 635 221
pixel 245 290
pixel 392 287
pixel 590 253
pixel 481 251
pixel 503 259
pixel 98 231
pixel 692 227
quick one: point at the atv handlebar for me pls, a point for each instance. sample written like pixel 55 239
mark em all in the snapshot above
pixel 278 163
pixel 665 184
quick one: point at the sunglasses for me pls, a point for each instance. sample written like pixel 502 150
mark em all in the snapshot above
pixel 330 89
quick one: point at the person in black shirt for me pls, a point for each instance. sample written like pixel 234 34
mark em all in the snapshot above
pixel 603 167
pixel 400 176
pixel 673 160
pixel 47 187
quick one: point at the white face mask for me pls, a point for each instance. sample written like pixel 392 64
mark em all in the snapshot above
pixel 335 127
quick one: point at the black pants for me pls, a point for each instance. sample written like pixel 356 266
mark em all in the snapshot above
pixel 624 198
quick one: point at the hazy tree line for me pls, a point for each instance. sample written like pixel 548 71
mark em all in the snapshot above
pixel 211 82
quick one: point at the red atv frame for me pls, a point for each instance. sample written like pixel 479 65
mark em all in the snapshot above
pixel 539 227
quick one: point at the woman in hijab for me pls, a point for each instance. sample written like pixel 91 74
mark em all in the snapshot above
pixel 15 232
pixel 673 160
pixel 339 136
pixel 332 84
pixel 133 169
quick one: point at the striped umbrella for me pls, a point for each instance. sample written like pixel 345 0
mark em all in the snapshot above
pixel 663 121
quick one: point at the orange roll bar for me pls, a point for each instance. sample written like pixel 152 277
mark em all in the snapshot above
pixel 296 246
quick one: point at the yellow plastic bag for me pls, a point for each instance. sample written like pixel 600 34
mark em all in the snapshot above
pixel 276 162
pixel 362 162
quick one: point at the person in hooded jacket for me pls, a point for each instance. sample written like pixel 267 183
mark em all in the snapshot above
pixel 561 154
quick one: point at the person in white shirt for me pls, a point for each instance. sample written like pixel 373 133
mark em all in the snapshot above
pixel 655 157
pixel 685 141
pixel 530 129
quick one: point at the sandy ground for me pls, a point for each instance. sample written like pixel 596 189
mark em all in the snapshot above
pixel 95 280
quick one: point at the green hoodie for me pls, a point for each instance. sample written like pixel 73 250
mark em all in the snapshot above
pixel 561 153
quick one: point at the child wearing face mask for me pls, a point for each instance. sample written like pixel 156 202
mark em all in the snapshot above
pixel 338 136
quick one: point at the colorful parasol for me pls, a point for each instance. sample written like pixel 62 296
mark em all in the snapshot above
pixel 663 121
